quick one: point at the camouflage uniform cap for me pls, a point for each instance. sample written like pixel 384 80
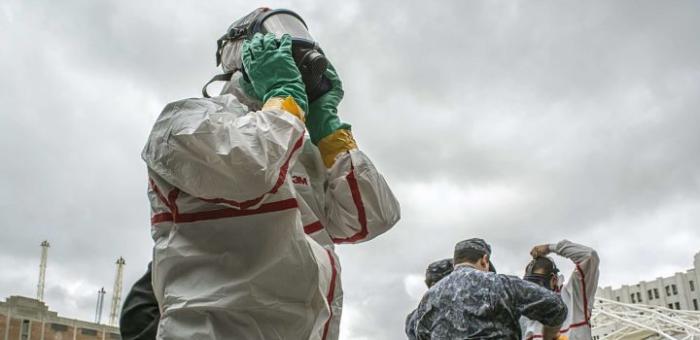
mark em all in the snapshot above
pixel 437 270
pixel 474 245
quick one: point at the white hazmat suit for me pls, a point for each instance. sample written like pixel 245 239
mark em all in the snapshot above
pixel 245 216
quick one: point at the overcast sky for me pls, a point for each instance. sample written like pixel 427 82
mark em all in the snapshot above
pixel 522 122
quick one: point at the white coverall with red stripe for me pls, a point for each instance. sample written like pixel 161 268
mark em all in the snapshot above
pixel 233 196
pixel 578 293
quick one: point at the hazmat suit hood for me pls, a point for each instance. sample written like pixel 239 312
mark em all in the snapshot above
pixel 234 87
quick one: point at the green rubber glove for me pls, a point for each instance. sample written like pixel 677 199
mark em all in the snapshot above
pixel 322 118
pixel 271 68
pixel 248 88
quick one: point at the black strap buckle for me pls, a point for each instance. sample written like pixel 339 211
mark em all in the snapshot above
pixel 218 77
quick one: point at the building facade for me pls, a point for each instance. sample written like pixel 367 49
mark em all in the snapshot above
pixel 679 292
pixel 23 318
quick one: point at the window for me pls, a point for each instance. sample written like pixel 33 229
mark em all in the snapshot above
pixel 678 305
pixel 692 285
pixel 695 304
pixel 57 327
pixel 617 298
pixel 651 296
pixel 24 333
pixel 86 331
pixel 668 291
pixel 670 306
pixel 632 297
pixel 639 297
pixel 656 293
pixel 675 289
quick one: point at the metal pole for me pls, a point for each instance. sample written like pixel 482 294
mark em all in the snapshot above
pixel 100 304
pixel 42 270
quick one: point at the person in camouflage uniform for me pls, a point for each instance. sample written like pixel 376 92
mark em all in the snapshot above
pixel 437 270
pixel 434 273
pixel 473 303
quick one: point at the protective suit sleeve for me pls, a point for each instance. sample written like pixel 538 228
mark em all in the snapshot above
pixel 536 303
pixel 211 149
pixel 359 203
pixel 583 282
pixel 574 252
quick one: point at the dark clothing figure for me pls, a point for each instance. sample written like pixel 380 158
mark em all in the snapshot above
pixel 437 270
pixel 434 273
pixel 473 304
pixel 140 315
pixel 410 327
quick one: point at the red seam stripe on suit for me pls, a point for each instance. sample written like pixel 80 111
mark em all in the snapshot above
pixel 280 180
pixel 289 203
pixel 362 218
pixel 159 194
pixel 162 217
pixel 313 227
pixel 585 298
pixel 329 298
pixel 176 216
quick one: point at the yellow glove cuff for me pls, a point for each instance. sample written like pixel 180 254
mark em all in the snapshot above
pixel 334 144
pixel 287 104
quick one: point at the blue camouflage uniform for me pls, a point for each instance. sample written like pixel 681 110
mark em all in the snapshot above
pixel 474 304
pixel 434 273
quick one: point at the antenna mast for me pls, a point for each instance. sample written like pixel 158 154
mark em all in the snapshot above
pixel 117 293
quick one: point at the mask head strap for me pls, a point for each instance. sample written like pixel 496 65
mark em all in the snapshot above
pixel 543 280
pixel 218 77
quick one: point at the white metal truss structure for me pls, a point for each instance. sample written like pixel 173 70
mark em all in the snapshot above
pixel 42 271
pixel 117 293
pixel 615 320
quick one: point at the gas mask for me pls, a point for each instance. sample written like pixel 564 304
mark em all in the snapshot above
pixel 542 279
pixel 307 55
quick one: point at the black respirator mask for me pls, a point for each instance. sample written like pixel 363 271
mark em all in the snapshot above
pixel 543 280
pixel 308 56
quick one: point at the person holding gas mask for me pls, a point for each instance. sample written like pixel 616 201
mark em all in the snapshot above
pixel 577 293
pixel 246 209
